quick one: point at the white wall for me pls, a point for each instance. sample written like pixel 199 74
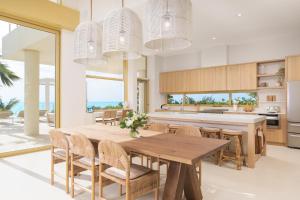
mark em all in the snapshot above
pixel 214 56
pixel 265 49
pixel 73 85
pixel 259 50
pixel 181 62
pixel 154 64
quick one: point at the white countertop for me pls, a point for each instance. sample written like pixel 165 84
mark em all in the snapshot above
pixel 230 118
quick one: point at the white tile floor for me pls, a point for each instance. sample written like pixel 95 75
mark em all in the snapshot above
pixel 276 177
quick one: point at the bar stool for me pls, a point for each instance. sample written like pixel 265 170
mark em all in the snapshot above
pixel 211 132
pixel 237 156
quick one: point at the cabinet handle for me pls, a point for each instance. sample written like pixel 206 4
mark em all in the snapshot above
pixel 297 136
pixel 298 125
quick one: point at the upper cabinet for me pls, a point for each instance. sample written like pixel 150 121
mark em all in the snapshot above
pixel 211 79
pixel 242 77
pixel 293 68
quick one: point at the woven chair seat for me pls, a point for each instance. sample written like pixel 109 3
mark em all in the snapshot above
pixel 105 119
pixel 60 152
pixel 135 172
pixel 87 161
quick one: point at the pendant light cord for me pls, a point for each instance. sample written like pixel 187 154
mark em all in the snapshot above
pixel 91 16
pixel 122 3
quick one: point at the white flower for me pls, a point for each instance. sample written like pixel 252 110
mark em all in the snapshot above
pixel 129 122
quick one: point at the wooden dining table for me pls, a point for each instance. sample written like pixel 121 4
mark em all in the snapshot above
pixel 183 152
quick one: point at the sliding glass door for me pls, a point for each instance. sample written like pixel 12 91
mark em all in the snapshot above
pixel 28 64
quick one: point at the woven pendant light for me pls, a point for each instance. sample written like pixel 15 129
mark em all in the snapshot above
pixel 168 24
pixel 122 34
pixel 88 43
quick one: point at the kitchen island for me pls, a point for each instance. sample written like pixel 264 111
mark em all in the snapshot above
pixel 248 123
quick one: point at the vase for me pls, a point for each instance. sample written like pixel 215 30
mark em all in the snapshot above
pixel 134 134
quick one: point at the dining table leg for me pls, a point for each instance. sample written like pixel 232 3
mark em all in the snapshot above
pixel 182 177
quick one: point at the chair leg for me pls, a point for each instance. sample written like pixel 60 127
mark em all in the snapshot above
pixel 52 168
pixel 221 157
pixel 100 183
pixel 67 175
pixel 238 152
pixel 72 176
pixel 242 150
pixel 156 194
pixel 93 181
pixel 120 190
pixel 128 194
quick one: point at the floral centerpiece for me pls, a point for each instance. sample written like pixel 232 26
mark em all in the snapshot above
pixel 133 121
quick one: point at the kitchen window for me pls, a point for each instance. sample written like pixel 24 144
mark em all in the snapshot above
pixel 214 99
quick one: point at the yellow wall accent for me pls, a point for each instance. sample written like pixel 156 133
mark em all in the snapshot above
pixel 41 12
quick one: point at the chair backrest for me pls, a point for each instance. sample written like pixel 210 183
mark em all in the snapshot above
pixel 159 127
pixel 42 113
pixel 82 146
pixel 113 113
pixel 113 154
pixel 59 140
pixel 110 114
pixel 5 114
pixel 188 131
pixel 124 113
pixel 21 114
pixel 106 114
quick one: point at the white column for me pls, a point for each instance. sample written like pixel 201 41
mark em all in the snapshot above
pixel 47 96
pixel 154 66
pixel 31 97
pixel 132 86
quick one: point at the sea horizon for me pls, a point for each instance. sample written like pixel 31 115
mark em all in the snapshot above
pixel 20 105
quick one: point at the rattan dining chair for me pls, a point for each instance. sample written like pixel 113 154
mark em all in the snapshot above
pixel 59 154
pixel 109 117
pixel 81 146
pixel 195 132
pixel 159 127
pixel 115 165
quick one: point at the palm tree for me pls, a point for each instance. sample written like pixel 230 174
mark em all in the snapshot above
pixel 9 105
pixel 7 76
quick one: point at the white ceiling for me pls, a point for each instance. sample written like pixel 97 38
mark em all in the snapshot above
pixel 218 18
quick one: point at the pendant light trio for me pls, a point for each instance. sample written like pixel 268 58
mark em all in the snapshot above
pixel 167 26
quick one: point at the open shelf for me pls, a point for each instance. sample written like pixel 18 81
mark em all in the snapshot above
pixel 266 88
pixel 268 75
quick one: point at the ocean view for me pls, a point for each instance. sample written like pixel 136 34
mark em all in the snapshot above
pixel 20 106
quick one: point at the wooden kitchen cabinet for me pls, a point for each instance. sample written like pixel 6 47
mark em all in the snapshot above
pixel 293 68
pixel 211 79
pixel 233 77
pixel 242 77
pixel 220 82
pixel 207 79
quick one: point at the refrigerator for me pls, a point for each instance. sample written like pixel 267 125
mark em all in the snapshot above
pixel 293 113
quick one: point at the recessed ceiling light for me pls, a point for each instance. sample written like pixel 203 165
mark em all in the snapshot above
pixel 239 14
pixel 213 38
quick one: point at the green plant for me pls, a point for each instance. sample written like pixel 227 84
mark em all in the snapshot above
pixel 119 106
pixel 7 76
pixel 9 105
pixel 251 100
pixel 133 121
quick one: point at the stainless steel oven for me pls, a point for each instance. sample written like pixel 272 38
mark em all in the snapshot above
pixel 273 120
